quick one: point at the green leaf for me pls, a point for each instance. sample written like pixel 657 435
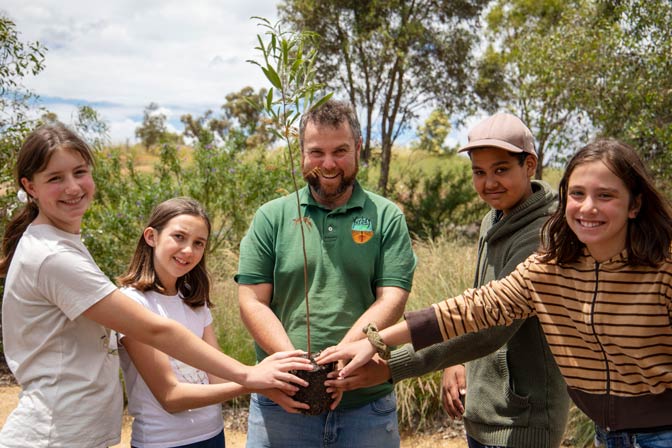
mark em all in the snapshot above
pixel 323 100
pixel 285 51
pixel 269 99
pixel 272 76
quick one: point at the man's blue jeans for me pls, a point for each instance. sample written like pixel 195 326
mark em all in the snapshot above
pixel 373 425
pixel 627 439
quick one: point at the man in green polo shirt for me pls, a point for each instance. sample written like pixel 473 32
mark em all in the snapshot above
pixel 360 270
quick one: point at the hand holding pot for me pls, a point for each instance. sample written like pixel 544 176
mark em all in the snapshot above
pixel 359 352
pixel 273 371
pixel 373 373
pixel 286 401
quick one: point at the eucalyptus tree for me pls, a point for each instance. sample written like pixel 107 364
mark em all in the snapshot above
pixel 391 58
pixel 631 96
pixel 240 122
pixel 579 68
pixel 18 60
pixel 536 55
pixel 433 132
pixel 154 128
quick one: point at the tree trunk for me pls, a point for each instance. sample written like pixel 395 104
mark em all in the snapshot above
pixel 385 159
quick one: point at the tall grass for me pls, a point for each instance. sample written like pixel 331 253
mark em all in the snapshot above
pixel 233 337
pixel 445 268
pixel 580 429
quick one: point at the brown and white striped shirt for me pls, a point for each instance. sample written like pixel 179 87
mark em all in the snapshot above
pixel 608 325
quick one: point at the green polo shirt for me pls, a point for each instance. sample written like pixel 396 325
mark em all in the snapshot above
pixel 351 251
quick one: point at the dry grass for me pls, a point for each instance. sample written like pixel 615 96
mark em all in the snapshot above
pixel 445 269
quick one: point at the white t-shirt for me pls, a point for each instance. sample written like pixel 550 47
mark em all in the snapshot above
pixel 154 427
pixel 63 361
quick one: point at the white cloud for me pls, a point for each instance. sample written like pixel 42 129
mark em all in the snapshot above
pixel 124 54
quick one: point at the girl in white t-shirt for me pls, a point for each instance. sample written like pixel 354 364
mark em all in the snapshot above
pixel 58 308
pixel 174 404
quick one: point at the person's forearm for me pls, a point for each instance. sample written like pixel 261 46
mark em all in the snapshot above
pixel 385 311
pixel 120 313
pixel 397 334
pixel 190 396
pixel 407 362
pixel 180 343
pixel 265 328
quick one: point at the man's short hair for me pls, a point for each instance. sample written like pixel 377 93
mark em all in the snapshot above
pixel 331 113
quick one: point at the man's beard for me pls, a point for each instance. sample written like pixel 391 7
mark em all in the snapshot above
pixel 313 180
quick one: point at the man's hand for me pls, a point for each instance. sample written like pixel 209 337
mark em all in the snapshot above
pixel 453 388
pixel 285 401
pixel 373 373
pixel 336 395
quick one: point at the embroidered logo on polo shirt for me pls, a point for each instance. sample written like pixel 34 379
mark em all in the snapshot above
pixel 362 230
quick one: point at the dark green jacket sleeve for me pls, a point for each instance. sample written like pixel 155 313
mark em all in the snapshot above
pixel 407 363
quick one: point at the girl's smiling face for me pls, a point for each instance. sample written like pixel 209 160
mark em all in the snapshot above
pixel 178 248
pixel 63 190
pixel 599 206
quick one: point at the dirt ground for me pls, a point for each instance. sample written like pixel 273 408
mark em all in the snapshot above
pixel 9 396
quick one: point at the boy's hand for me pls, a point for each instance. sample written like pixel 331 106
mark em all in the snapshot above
pixel 373 373
pixel 453 389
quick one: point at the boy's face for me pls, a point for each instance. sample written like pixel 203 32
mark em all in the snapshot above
pixel 499 179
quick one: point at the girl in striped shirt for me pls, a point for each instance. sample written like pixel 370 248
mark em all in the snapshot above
pixel 602 289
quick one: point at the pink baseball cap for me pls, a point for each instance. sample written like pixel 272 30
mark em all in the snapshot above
pixel 502 130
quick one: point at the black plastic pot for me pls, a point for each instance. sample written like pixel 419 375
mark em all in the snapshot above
pixel 315 393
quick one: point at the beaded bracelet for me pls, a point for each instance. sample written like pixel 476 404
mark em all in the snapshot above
pixel 371 332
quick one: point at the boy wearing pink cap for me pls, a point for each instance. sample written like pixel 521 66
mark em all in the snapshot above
pixel 515 394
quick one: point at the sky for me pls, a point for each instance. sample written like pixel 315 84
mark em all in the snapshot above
pixel 119 55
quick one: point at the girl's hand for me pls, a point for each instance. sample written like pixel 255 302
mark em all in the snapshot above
pixel 360 352
pixel 273 371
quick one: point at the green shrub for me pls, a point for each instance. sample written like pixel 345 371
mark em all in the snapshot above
pixel 230 184
pixel 439 201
